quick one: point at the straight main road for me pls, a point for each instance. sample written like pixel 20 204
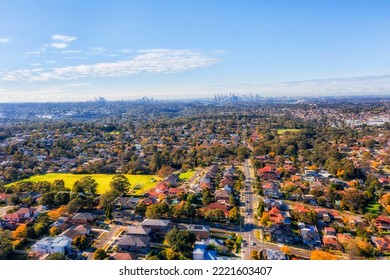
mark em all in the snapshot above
pixel 250 225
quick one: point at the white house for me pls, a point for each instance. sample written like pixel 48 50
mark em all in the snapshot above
pixel 50 245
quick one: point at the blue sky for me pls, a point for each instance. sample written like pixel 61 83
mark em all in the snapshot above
pixel 79 50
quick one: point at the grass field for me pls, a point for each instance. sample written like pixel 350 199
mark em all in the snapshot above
pixel 284 130
pixel 141 183
pixel 187 175
pixel 373 208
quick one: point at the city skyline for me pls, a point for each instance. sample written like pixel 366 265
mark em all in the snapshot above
pixel 71 51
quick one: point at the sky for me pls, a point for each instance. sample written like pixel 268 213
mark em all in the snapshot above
pixel 78 50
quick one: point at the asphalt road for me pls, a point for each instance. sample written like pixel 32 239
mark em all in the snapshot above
pixel 250 225
pixel 107 239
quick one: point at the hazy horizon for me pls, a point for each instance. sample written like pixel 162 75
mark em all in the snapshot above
pixel 53 51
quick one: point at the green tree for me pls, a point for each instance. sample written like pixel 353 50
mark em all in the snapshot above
pixel 165 171
pixel 157 211
pixel 108 198
pixel 39 228
pixel 120 183
pixel 5 244
pixel 234 215
pixel 215 215
pixel 180 240
pixel 100 254
pixel 81 242
pixel 59 186
pixel 140 209
pixel 48 199
pixel 86 184
pixel 108 212
pixel 265 219
pixel 206 197
pixel 61 198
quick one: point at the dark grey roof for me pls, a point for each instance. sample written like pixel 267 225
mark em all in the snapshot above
pixel 155 222
pixel 134 241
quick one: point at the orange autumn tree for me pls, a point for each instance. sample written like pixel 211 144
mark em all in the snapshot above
pixel 20 232
pixel 321 255
pixel 285 250
pixel 55 214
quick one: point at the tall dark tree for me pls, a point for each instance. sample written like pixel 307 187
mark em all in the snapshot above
pixel 120 183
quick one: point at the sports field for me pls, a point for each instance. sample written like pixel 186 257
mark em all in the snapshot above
pixel 140 183
pixel 284 130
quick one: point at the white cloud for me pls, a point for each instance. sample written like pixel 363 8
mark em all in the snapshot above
pixel 127 51
pixel 4 40
pixel 145 61
pixel 59 45
pixel 61 41
pixel 38 52
pixel 71 51
pixel 95 51
pixel 63 38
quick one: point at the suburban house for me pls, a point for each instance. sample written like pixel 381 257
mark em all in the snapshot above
pixel 330 242
pixel 310 235
pixel 195 189
pixel 201 252
pixel 381 243
pixel 329 231
pixel 226 182
pixel 271 189
pixel 48 245
pixel 122 256
pixel 156 225
pixel 383 223
pixel 4 197
pixel 343 238
pixel 25 213
pixel 217 205
pixel 12 218
pixel 139 231
pixel 16 217
pixel 222 195
pixel 126 203
pixel 279 217
pixel 281 234
pixel 268 173
pixel 80 230
pixel 274 255
pixel 200 231
pixel 136 244
pixel 82 218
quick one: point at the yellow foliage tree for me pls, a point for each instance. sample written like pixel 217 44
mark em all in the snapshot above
pixel 285 250
pixel 20 232
pixel 312 167
pixel 55 214
pixel 321 255
pixel 340 172
pixel 254 255
pixel 264 221
pixel 53 231
pixel 375 164
pixel 385 199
